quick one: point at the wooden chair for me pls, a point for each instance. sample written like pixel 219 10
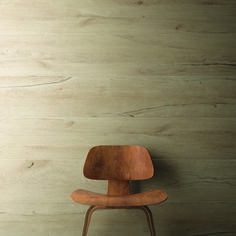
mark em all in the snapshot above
pixel 118 165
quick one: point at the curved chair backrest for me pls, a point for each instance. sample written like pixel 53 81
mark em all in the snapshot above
pixel 123 162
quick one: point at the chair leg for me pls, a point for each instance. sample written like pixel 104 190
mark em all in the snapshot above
pixel 146 210
pixel 148 213
pixel 88 218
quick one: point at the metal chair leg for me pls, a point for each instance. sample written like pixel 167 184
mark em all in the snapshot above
pixel 148 213
pixel 146 210
pixel 87 219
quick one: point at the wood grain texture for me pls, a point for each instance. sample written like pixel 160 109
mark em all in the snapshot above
pixel 75 74
pixel 167 96
pixel 71 17
pixel 151 42
pixel 151 197
pixel 180 138
pixel 86 49
pixel 118 162
pixel 170 219
pixel 87 55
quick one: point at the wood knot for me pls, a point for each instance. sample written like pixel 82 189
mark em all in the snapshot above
pixel 179 27
pixel 139 2
pixel 70 124
pixel 31 165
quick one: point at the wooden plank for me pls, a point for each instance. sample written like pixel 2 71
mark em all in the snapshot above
pixel 180 49
pixel 48 139
pixel 84 23
pixel 81 48
pixel 76 17
pixel 187 219
pixel 98 71
pixel 78 54
pixel 54 180
pixel 167 96
pixel 46 10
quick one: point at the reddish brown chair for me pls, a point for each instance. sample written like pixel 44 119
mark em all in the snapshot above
pixel 118 165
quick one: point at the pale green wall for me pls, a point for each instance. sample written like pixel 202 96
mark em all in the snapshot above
pixel 79 73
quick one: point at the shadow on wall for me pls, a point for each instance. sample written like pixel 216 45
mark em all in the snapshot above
pixel 165 177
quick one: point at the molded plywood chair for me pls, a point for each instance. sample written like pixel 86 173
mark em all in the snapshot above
pixel 118 165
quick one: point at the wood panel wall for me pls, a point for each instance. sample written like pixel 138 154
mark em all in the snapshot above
pixel 79 73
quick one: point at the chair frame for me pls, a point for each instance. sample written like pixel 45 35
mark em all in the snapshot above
pixel 145 209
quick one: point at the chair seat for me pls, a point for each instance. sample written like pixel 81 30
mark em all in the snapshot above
pixel 140 199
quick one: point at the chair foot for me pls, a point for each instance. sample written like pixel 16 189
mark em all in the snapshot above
pixel 146 210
